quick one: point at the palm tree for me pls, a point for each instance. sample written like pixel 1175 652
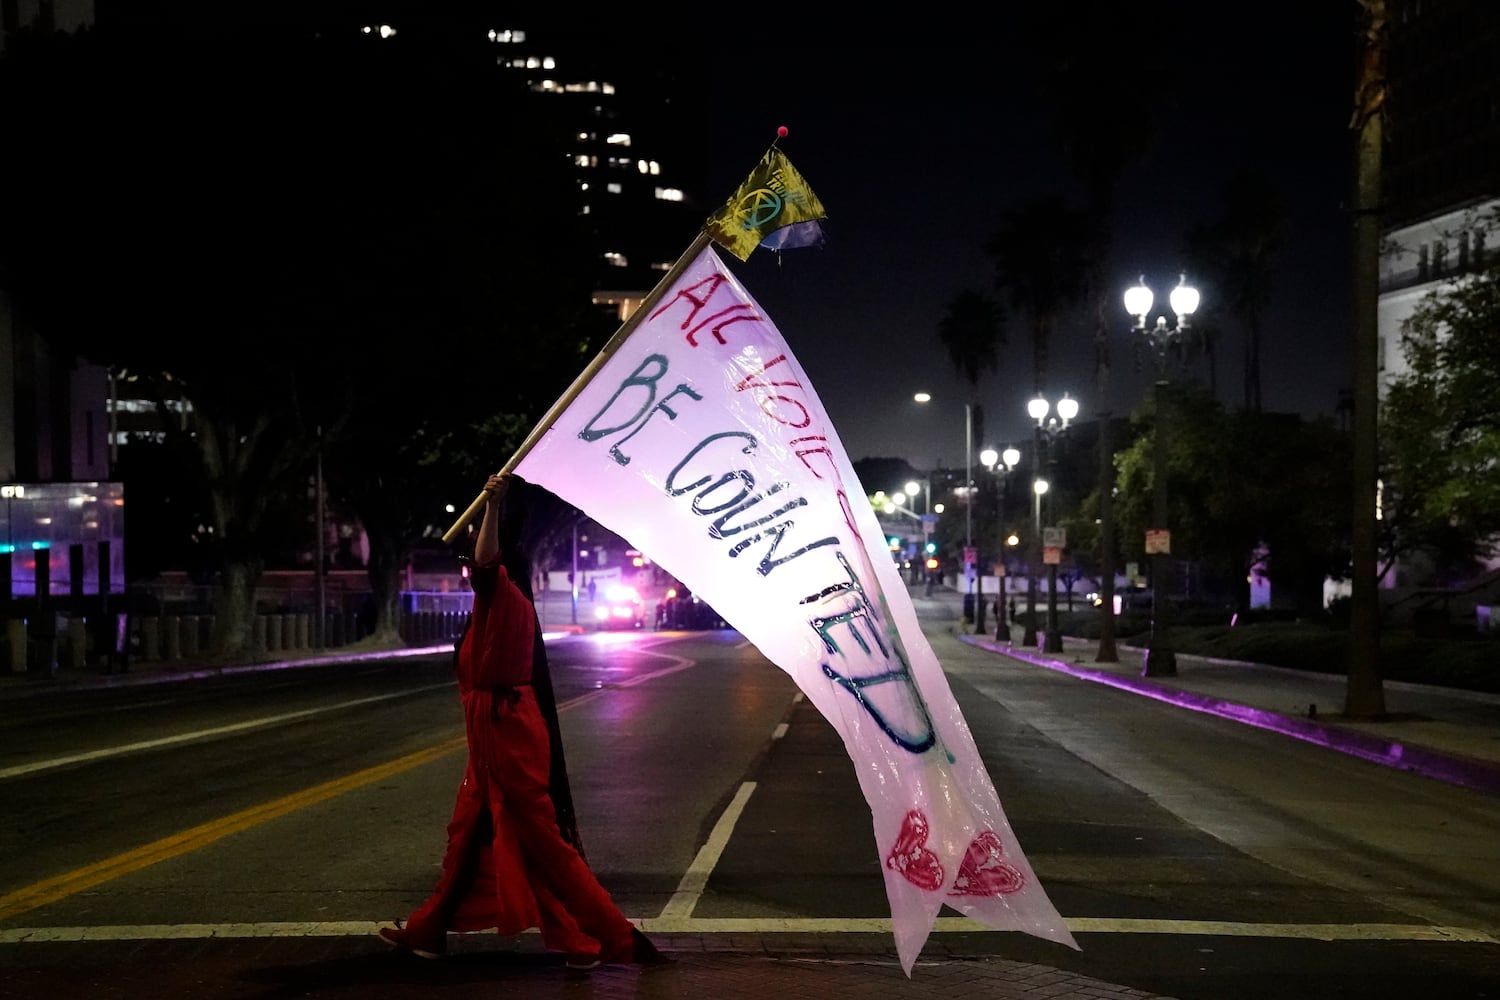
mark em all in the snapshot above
pixel 972 331
pixel 1364 696
pixel 1238 253
pixel 1103 120
pixel 1040 253
pixel 1040 256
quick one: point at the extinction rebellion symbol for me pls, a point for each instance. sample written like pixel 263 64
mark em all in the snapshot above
pixel 758 208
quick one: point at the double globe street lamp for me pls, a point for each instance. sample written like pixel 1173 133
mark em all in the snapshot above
pixel 1001 463
pixel 1048 430
pixel 1160 660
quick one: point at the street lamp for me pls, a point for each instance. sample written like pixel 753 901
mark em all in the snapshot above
pixel 1048 430
pixel 1160 661
pixel 1002 463
pixel 911 491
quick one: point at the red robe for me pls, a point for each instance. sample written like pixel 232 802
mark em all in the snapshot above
pixel 507 865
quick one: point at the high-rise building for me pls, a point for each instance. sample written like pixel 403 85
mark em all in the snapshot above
pixel 634 143
pixel 620 111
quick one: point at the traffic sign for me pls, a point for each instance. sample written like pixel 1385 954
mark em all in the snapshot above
pixel 1055 537
pixel 1158 541
pixel 1051 556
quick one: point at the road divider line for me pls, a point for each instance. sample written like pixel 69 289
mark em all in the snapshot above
pixel 51 890
pixel 205 734
pixel 59 887
pixel 830 926
pixel 690 889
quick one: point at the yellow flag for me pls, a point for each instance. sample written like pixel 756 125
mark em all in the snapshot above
pixel 774 208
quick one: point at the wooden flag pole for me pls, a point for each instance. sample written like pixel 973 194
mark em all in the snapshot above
pixel 584 377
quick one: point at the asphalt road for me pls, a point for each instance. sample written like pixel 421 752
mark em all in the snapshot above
pixel 279 818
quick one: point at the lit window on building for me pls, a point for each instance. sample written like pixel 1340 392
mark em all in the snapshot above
pixel 585 160
pixel 669 194
pixel 618 139
pixel 506 36
pixel 614 187
pixel 614 259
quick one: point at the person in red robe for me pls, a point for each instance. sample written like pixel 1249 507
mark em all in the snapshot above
pixel 508 864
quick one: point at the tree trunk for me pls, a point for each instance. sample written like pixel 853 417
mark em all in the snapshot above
pixel 1108 651
pixel 234 607
pixel 385 589
pixel 1364 695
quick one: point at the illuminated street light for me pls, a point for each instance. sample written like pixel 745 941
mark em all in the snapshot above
pixel 1048 430
pixel 1002 464
pixel 1160 661
pixel 925 488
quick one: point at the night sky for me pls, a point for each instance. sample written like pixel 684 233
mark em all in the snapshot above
pixel 917 143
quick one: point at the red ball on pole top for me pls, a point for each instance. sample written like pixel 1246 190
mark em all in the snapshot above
pixel 781 132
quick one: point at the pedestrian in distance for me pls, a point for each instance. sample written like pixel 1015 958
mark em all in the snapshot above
pixel 514 860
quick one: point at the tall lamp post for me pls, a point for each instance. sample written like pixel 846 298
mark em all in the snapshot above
pixel 1001 463
pixel 1160 661
pixel 1049 429
pixel 1039 486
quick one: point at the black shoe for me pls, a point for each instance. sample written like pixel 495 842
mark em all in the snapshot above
pixel 401 938
pixel 643 952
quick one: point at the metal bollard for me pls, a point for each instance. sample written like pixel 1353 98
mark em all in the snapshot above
pixel 171 637
pixel 190 629
pixel 77 645
pixel 151 638
pixel 15 643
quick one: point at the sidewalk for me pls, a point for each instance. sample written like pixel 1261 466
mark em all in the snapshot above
pixel 1446 734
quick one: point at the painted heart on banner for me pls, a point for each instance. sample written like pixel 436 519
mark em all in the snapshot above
pixel 911 857
pixel 983 872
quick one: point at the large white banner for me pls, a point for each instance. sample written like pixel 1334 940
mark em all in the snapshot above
pixel 701 441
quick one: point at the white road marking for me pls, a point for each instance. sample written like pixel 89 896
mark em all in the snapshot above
pixel 690 889
pixel 204 734
pixel 19 770
pixel 774 925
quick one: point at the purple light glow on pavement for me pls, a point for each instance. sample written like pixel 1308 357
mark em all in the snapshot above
pixel 1469 773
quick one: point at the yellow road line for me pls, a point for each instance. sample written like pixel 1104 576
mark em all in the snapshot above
pixel 61 886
